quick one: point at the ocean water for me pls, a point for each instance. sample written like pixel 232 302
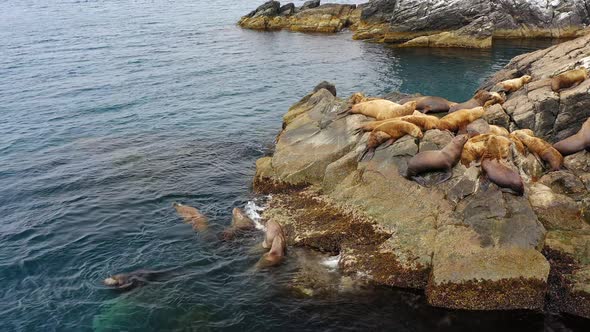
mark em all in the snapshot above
pixel 110 111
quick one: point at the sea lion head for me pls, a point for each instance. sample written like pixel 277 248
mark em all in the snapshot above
pixel 526 78
pixel 356 98
pixel 411 105
pixel 460 139
pixel 482 96
pixel 116 280
pixel 240 219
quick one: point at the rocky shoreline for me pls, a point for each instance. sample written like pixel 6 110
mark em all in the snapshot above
pixel 440 23
pixel 467 244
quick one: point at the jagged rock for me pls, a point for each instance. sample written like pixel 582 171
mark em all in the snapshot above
pixel 287 10
pixel 270 8
pixel 326 18
pixel 565 183
pixel 435 140
pixel 310 4
pixel 326 85
pixel 495 115
pixel 555 211
pixel 477 34
pixel 552 116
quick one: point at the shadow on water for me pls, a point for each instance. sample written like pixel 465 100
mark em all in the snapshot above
pixel 111 111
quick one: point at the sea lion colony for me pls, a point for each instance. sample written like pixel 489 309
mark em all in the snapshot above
pixel 477 143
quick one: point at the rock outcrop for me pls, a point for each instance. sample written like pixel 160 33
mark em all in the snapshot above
pixel 436 23
pixel 311 17
pixel 468 244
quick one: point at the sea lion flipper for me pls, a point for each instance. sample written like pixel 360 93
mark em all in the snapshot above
pixel 386 144
pixel 420 180
pixel 367 155
pixel 447 175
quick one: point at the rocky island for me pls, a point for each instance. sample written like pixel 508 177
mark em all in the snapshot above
pixel 466 242
pixel 439 23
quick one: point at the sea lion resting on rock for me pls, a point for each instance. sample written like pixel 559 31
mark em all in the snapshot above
pixel 426 104
pixel 192 216
pixel 441 160
pixel 569 79
pixel 460 119
pixel 498 147
pixel 474 149
pixel 359 97
pixel 275 239
pixel 388 133
pixel 541 148
pixel 128 281
pixel 575 143
pixel 499 131
pixel 512 85
pixel 425 122
pixel 381 109
pixel 240 223
pixel 502 175
pixel 479 99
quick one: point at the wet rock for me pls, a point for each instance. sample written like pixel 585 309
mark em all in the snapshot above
pixel 565 183
pixel 326 85
pixel 477 34
pixel 270 8
pixel 435 140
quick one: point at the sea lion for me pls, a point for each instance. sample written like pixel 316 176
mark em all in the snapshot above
pixel 441 160
pixel 499 131
pixel 388 133
pixel 425 122
pixel 192 216
pixel 542 149
pixel 457 120
pixel 430 104
pixel 276 255
pixel 128 281
pixel 569 79
pixel 576 142
pixel 474 149
pixel 497 98
pixel 381 109
pixel 479 99
pixel 240 223
pixel 498 147
pixel 517 142
pixel 359 97
pixel 502 175
pixel 273 229
pixel 370 126
pixel 512 85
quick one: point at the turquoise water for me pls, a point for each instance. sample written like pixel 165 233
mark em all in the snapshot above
pixel 112 110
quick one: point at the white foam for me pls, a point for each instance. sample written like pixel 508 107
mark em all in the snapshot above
pixel 331 262
pixel 253 211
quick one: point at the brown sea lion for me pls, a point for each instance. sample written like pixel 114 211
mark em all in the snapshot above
pixel 498 147
pixel 441 160
pixel 569 78
pixel 128 281
pixel 479 99
pixel 425 122
pixel 430 104
pixel 512 85
pixel 474 149
pixel 275 239
pixel 500 131
pixel 240 223
pixel 575 143
pixel 381 109
pixel 502 175
pixel 497 98
pixel 273 229
pixel 192 216
pixel 542 149
pixel 388 133
pixel 457 120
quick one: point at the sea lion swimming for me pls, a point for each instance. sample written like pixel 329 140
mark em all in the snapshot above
pixel 275 240
pixel 479 99
pixel 457 120
pixel 569 78
pixel 240 223
pixel 430 104
pixel 576 142
pixel 512 85
pixel 128 281
pixel 388 133
pixel 441 160
pixel 192 216
pixel 541 148
pixel 381 109
pixel 502 175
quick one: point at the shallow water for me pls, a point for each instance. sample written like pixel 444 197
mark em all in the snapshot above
pixel 112 110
